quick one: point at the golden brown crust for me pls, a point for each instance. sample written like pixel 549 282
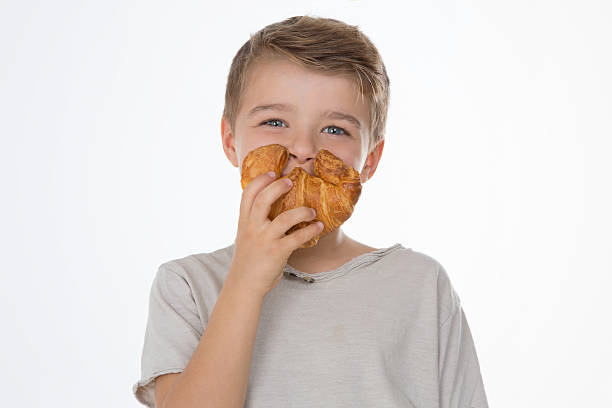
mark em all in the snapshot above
pixel 333 191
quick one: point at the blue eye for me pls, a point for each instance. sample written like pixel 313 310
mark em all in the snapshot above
pixel 272 120
pixel 344 132
pixel 339 128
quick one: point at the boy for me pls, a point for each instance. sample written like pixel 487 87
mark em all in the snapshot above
pixel 265 323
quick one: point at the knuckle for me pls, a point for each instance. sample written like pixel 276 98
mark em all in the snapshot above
pixel 292 214
pixel 247 233
pixel 248 193
pixel 303 214
pixel 260 200
pixel 281 218
pixel 305 232
pixel 285 245
pixel 299 216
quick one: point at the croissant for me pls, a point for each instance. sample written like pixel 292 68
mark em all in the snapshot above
pixel 333 191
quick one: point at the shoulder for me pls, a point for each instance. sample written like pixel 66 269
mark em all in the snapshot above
pixel 199 275
pixel 414 265
pixel 197 266
pixel 422 273
pixel 447 299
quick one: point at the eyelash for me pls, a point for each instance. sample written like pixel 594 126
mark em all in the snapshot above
pixel 330 126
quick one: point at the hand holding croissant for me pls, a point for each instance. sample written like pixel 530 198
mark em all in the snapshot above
pixel 333 191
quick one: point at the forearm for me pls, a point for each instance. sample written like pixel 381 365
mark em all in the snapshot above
pixel 217 373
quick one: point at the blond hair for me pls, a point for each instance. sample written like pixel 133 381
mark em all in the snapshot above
pixel 322 44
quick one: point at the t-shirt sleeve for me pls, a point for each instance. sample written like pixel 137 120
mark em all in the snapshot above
pixel 461 384
pixel 173 332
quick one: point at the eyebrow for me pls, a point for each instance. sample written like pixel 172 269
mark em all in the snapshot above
pixel 292 108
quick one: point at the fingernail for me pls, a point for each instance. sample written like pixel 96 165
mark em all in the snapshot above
pixel 271 174
pixel 319 225
pixel 289 182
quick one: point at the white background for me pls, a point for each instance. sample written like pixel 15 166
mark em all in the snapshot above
pixel 496 163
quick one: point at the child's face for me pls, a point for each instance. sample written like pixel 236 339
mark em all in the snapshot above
pixel 304 127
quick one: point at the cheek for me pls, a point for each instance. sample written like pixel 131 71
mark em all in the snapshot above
pixel 349 156
pixel 256 137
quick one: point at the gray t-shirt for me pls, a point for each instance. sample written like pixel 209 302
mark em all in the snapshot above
pixel 386 329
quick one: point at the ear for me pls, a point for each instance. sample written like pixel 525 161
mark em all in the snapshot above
pixel 371 163
pixel 229 141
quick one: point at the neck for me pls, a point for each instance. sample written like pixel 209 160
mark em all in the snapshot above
pixel 327 245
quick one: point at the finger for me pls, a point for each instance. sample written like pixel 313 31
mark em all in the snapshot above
pixel 251 191
pixel 287 219
pixel 293 241
pixel 266 197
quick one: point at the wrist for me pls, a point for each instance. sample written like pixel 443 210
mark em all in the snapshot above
pixel 244 286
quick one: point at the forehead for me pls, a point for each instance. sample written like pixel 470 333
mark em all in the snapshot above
pixel 277 80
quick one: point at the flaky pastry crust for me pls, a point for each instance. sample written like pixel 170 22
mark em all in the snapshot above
pixel 333 191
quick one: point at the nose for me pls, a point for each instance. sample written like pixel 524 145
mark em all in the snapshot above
pixel 302 152
pixel 300 160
